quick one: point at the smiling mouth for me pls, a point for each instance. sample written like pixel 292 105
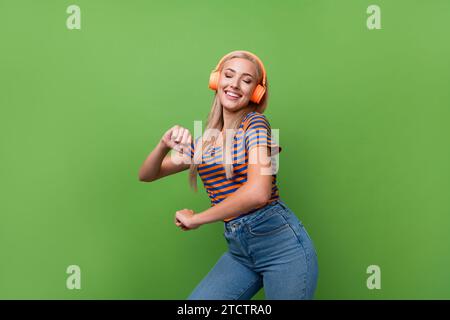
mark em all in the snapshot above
pixel 232 95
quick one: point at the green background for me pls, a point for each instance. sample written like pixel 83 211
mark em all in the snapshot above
pixel 363 118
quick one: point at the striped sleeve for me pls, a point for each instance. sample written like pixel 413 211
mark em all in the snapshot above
pixel 258 132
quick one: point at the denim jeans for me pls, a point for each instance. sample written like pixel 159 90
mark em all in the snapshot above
pixel 268 248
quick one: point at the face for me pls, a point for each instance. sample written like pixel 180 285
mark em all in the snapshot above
pixel 236 83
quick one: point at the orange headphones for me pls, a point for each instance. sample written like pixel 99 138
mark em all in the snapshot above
pixel 260 89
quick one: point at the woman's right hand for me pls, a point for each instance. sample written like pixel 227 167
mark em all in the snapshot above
pixel 177 138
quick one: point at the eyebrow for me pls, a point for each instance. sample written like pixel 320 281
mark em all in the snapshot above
pixel 248 74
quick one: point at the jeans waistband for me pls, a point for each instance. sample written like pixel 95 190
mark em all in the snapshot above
pixel 245 218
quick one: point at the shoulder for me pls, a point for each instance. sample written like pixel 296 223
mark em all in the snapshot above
pixel 256 120
pixel 258 132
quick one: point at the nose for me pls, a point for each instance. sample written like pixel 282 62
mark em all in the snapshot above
pixel 235 83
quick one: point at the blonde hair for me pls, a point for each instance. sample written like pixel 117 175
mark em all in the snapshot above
pixel 215 121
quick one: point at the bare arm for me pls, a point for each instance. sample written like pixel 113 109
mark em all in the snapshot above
pixel 160 162
pixel 254 193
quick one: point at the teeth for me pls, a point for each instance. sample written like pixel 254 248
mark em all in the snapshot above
pixel 232 94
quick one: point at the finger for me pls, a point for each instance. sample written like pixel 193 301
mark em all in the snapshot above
pixel 184 138
pixel 180 135
pixel 185 146
pixel 188 145
pixel 170 137
pixel 189 140
pixel 174 133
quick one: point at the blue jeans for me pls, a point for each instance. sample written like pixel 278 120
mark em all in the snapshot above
pixel 268 248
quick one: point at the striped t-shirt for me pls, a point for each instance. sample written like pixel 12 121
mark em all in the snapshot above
pixel 254 130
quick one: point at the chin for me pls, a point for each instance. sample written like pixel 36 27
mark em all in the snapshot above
pixel 231 106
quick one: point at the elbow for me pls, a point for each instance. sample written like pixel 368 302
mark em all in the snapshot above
pixel 143 178
pixel 261 197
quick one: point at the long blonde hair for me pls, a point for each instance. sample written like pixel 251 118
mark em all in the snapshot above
pixel 215 121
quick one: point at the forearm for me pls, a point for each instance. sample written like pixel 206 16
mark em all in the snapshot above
pixel 242 200
pixel 152 165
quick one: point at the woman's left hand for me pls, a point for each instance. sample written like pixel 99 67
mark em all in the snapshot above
pixel 185 219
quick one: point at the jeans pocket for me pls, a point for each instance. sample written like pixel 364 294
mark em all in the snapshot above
pixel 269 225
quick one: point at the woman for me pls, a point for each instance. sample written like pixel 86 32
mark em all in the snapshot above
pixel 268 245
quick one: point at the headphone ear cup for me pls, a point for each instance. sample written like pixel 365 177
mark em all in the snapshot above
pixel 258 94
pixel 214 80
